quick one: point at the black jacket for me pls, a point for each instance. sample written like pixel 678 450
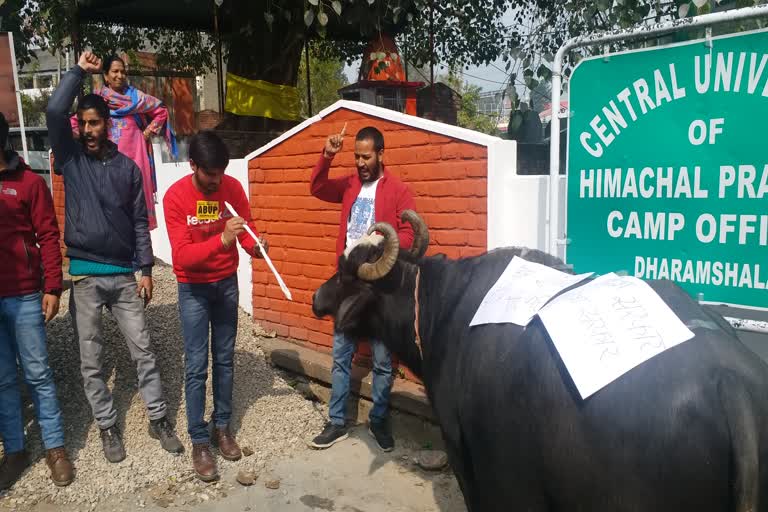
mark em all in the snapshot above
pixel 106 213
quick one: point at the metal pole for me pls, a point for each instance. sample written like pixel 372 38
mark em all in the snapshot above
pixel 554 236
pixel 309 85
pixel 18 98
pixel 218 57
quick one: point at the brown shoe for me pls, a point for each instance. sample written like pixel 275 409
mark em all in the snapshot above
pixel 228 447
pixel 12 469
pixel 62 470
pixel 204 463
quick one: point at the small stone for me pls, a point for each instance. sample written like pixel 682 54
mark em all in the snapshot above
pixel 247 451
pixel 163 502
pixel 247 509
pixel 204 497
pixel 432 460
pixel 272 483
pixel 245 477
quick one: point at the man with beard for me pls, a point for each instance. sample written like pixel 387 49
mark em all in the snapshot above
pixel 371 195
pixel 106 225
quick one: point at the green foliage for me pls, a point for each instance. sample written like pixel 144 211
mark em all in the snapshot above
pixel 48 24
pixel 462 31
pixel 34 108
pixel 326 78
pixel 468 115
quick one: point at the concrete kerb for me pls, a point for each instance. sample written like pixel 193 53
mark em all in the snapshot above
pixel 412 415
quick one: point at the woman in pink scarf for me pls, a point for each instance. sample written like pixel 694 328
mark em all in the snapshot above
pixel 136 116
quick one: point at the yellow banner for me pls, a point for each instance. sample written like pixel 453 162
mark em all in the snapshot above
pixel 259 98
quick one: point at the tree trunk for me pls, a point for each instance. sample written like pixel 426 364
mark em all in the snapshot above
pixel 259 52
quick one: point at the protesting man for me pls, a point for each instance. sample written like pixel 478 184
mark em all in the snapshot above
pixel 106 225
pixel 27 220
pixel 203 233
pixel 372 195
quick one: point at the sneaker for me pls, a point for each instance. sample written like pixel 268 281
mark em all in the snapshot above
pixel 162 430
pixel 112 444
pixel 12 468
pixel 330 435
pixel 383 436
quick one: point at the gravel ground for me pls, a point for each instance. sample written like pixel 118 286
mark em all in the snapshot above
pixel 270 417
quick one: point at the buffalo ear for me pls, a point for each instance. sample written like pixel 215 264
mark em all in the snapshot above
pixel 351 309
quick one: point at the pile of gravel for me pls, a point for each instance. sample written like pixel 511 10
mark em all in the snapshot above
pixel 270 417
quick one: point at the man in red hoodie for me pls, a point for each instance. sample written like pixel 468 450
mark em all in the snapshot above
pixel 30 238
pixel 371 195
pixel 205 258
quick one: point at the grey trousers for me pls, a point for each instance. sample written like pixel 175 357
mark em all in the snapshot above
pixel 118 294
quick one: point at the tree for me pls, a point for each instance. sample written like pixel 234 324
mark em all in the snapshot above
pixel 326 78
pixel 265 37
pixel 34 107
pixel 468 115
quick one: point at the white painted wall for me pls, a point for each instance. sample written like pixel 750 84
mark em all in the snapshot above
pixel 170 173
pixel 517 205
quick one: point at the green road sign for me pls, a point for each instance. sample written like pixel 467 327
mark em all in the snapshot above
pixel 668 167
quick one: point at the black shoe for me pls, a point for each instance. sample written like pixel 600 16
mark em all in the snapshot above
pixel 163 430
pixel 330 435
pixel 112 444
pixel 381 433
pixel 12 468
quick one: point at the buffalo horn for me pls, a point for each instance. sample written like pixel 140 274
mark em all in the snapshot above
pixel 420 233
pixel 382 266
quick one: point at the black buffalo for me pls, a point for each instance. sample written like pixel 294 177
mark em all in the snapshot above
pixel 685 431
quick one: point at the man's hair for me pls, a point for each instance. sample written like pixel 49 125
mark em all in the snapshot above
pixel 208 151
pixel 108 63
pixel 95 102
pixel 4 128
pixel 371 133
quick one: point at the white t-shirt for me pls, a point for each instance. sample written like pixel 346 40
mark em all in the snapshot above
pixel 363 213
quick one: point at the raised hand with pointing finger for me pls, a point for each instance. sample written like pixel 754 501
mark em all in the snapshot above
pixel 334 143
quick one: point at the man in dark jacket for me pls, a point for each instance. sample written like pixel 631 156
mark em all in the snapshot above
pixel 27 220
pixel 106 225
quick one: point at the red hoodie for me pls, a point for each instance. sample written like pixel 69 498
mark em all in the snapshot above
pixel 29 233
pixel 195 223
pixel 392 198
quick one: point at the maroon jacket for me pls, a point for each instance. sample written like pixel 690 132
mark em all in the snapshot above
pixel 27 219
pixel 392 197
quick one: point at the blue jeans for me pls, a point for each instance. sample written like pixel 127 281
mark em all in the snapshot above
pixel 343 350
pixel 22 335
pixel 201 305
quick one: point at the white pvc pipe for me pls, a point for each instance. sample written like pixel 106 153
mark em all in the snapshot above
pixel 553 233
pixel 744 324
pixel 22 128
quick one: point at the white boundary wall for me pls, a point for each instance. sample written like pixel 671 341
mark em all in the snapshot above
pixel 170 173
pixel 517 205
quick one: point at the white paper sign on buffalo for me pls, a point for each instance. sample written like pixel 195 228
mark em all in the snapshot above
pixel 608 326
pixel 521 291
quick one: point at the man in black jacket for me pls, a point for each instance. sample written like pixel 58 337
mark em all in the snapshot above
pixel 106 225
